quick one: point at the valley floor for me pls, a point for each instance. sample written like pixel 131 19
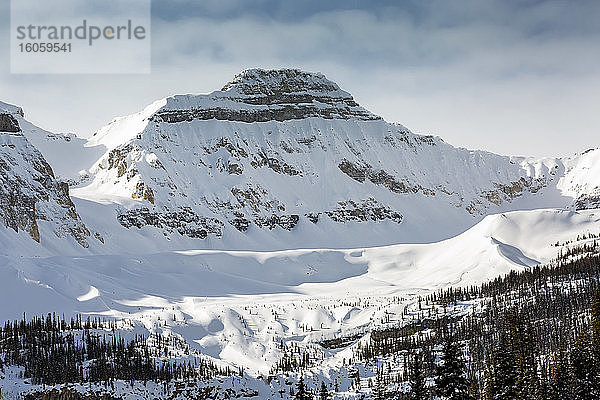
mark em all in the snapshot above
pixel 247 311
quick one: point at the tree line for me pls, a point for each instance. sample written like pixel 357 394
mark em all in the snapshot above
pixel 536 335
pixel 52 350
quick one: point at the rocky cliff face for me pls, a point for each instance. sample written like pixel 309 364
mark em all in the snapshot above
pixel 29 191
pixel 9 124
pixel 267 95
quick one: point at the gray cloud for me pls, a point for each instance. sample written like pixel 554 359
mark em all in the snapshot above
pixel 507 76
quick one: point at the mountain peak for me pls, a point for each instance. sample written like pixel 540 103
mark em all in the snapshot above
pixel 259 95
pixel 259 81
pixel 253 95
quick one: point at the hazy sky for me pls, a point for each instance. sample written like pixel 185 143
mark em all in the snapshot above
pixel 512 77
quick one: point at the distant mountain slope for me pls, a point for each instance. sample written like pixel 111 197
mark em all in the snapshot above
pixel 70 156
pixel 581 179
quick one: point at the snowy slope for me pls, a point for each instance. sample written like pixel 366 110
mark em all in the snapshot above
pixel 235 306
pixel 66 153
pixel 6 108
pixel 582 179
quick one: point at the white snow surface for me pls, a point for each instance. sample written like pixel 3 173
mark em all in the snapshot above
pixel 582 174
pixel 236 305
pixel 467 217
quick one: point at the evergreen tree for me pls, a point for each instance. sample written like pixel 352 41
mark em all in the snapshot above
pixel 355 375
pixel 323 392
pixel 301 391
pixel 582 369
pixel 418 391
pixel 380 389
pixel 488 381
pixel 595 343
pixel 450 381
pixel 523 347
pixel 505 368
pixel 561 386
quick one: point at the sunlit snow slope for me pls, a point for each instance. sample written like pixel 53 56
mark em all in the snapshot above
pixel 235 305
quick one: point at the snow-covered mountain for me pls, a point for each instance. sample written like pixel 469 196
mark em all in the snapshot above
pixel 32 200
pixel 281 159
pixel 275 210
pixel 581 179
pixel 285 158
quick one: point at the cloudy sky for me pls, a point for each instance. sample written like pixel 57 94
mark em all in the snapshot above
pixel 512 77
